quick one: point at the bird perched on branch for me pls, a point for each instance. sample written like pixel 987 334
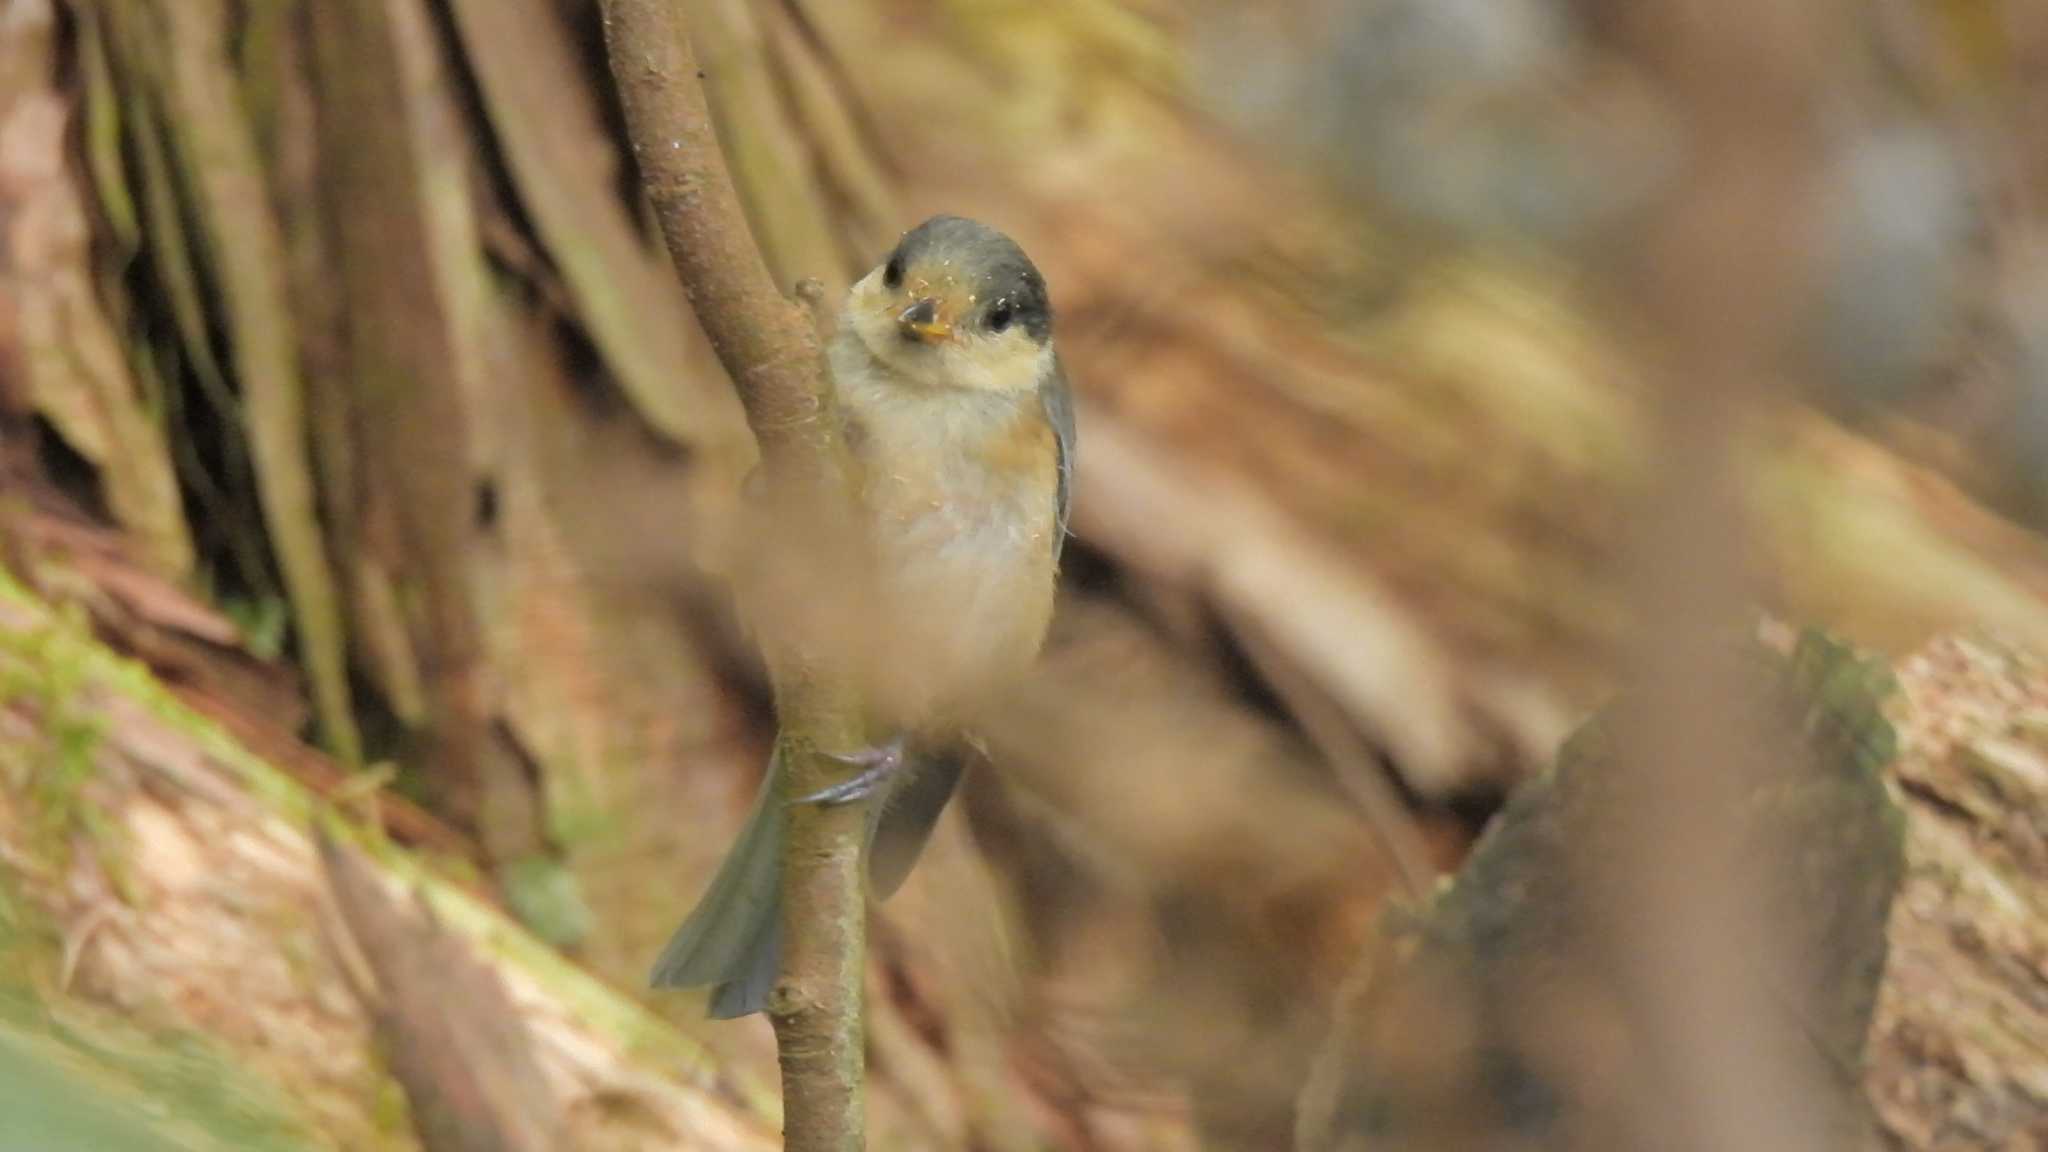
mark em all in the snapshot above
pixel 957 414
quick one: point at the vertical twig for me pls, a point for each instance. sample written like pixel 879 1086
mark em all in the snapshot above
pixel 772 352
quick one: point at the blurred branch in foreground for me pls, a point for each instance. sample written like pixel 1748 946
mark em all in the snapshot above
pixel 1708 291
pixel 1488 1018
pixel 1474 125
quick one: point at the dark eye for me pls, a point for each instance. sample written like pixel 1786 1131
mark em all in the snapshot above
pixel 892 273
pixel 999 317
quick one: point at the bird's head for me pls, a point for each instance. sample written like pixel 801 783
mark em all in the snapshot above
pixel 956 305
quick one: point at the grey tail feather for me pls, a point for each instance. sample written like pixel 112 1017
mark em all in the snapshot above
pixel 746 991
pixel 733 937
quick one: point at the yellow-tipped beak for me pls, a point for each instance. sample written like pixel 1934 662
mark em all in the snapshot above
pixel 924 321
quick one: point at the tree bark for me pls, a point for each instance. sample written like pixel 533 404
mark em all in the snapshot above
pixel 415 285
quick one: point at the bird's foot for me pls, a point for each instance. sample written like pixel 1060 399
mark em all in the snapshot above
pixel 877 765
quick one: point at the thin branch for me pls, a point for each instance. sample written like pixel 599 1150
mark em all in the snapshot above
pixel 771 350
pixel 764 339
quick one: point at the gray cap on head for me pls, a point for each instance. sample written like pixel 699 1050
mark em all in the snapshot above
pixel 1006 286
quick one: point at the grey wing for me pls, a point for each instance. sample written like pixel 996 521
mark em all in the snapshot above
pixel 1059 412
pixel 906 821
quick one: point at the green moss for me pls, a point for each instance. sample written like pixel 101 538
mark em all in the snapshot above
pixel 263 622
pixel 74 1075
pixel 260 64
pixel 546 898
pixel 102 136
pixel 76 1078
pixel 41 675
pixel 576 816
pixel 28 945
pixel 606 1012
pixel 390 1111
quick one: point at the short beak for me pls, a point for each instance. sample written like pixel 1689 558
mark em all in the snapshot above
pixel 922 321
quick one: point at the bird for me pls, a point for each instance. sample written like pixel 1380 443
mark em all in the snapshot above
pixel 955 410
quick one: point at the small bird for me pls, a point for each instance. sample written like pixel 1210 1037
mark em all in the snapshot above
pixel 957 414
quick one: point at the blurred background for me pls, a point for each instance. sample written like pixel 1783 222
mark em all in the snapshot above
pixel 1443 366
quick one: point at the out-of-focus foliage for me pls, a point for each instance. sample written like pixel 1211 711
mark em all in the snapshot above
pixel 59 1097
pixel 1518 123
pixel 1495 121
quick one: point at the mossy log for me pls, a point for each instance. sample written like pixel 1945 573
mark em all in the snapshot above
pixel 170 938
pixel 1913 884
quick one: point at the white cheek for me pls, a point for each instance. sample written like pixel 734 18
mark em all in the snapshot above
pixel 1010 363
pixel 1004 364
pixel 868 319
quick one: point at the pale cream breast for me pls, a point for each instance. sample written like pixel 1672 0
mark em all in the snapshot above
pixel 961 487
